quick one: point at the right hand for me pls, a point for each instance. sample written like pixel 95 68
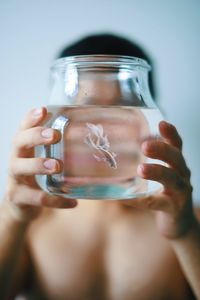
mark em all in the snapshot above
pixel 23 194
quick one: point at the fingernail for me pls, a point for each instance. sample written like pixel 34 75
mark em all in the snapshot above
pixel 50 164
pixel 169 124
pixel 37 112
pixel 47 133
pixel 165 123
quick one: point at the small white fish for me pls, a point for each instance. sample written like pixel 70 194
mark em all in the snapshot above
pixel 97 140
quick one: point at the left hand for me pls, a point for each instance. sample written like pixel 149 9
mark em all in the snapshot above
pixel 173 204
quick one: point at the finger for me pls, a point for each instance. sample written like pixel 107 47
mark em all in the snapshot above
pixel 33 166
pixel 171 155
pixel 32 137
pixel 170 134
pixel 39 198
pixel 154 202
pixel 33 118
pixel 170 179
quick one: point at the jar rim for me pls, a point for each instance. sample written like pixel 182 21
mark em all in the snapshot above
pixel 101 60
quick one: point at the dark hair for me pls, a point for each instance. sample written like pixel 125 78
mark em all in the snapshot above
pixel 108 44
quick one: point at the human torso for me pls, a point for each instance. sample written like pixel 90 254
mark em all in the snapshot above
pixel 102 250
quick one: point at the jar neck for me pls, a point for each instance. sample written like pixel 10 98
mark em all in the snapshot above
pixel 100 84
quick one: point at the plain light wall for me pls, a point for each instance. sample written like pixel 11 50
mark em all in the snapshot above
pixel 32 32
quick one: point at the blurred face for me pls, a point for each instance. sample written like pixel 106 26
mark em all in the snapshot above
pixel 101 140
pixel 99 92
pixel 104 123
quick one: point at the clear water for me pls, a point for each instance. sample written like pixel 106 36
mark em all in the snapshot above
pixel 99 151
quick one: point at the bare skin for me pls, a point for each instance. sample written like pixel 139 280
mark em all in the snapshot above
pixel 142 249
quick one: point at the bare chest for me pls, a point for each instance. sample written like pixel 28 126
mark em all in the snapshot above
pixel 90 258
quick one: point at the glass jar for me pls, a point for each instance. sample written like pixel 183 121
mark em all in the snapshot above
pixel 102 106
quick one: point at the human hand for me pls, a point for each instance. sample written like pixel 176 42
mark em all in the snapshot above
pixel 23 195
pixel 173 204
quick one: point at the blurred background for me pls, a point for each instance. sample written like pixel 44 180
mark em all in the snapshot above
pixel 33 32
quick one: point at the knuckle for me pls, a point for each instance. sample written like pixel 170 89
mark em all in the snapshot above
pixel 189 187
pixel 10 192
pixel 12 169
pixel 180 142
pixel 179 159
pixel 15 139
pixel 188 172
